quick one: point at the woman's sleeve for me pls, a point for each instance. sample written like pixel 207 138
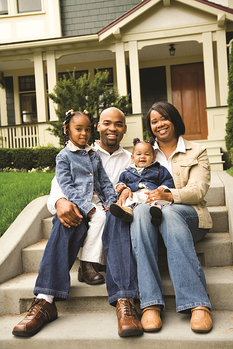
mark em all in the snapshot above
pixel 192 179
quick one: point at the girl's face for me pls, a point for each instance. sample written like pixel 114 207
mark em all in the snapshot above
pixel 143 154
pixel 162 128
pixel 79 130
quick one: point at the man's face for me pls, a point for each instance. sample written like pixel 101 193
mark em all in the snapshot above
pixel 112 129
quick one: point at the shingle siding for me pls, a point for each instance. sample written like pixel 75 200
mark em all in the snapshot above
pixel 84 18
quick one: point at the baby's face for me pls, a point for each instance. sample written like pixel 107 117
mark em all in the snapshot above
pixel 143 154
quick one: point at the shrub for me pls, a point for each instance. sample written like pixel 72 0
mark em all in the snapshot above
pixel 28 158
pixel 229 124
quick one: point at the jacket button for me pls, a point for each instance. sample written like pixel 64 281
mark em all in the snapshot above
pixel 175 161
pixel 177 173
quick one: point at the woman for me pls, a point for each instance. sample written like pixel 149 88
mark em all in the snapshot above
pixel 184 222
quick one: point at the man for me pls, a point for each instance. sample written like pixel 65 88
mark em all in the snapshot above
pixel 53 280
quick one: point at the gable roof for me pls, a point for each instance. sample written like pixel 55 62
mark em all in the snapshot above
pixel 133 13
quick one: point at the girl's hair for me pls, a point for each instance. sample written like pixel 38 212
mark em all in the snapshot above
pixel 69 115
pixel 169 112
pixel 151 142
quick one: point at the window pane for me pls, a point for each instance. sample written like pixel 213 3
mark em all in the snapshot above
pixel 27 83
pixel 78 73
pixel 28 107
pixel 3 7
pixel 29 5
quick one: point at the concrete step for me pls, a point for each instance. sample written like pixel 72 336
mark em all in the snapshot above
pixel 216 193
pixel 214 250
pixel 16 294
pixel 217 166
pixel 99 330
pixel 219 215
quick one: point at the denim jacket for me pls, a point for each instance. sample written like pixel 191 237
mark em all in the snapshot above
pixel 80 173
pixel 152 177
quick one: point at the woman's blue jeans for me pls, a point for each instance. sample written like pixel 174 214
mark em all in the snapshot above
pixel 179 230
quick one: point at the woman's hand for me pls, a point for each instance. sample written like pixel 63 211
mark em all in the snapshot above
pixel 68 213
pixel 158 194
pixel 125 194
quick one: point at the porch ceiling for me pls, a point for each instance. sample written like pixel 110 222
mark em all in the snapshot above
pixel 155 52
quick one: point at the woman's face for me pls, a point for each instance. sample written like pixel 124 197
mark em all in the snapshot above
pixel 162 128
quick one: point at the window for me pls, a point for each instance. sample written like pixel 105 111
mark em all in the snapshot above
pixel 78 73
pixel 29 6
pixel 3 7
pixel 27 99
pixel 110 75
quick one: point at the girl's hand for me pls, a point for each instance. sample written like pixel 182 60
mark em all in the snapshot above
pixel 158 194
pixel 106 208
pixel 91 212
pixel 127 193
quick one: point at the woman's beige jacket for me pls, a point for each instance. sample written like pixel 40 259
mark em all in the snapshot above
pixel 191 175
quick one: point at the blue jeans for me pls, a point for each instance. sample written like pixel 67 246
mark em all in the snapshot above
pixel 61 252
pixel 179 230
pixel 59 256
pixel 121 273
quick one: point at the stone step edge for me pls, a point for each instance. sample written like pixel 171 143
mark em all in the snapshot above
pixel 90 330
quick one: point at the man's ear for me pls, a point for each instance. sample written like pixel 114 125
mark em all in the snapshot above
pixel 98 126
pixel 125 129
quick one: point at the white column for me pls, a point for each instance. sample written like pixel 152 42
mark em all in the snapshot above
pixel 121 69
pixel 134 77
pixel 209 70
pixel 222 66
pixel 18 118
pixel 3 111
pixel 41 99
pixel 52 79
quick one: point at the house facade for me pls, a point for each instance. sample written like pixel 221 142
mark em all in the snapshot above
pixel 174 50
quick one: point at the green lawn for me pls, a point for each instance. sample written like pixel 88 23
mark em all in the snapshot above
pixel 230 171
pixel 17 190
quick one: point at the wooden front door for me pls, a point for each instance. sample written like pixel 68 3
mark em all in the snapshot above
pixel 188 95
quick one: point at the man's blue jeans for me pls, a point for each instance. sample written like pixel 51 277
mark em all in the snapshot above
pixel 179 230
pixel 61 252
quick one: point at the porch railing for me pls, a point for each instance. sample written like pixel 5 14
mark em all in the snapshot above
pixel 19 136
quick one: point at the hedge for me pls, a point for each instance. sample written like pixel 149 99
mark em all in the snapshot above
pixel 28 158
pixel 231 156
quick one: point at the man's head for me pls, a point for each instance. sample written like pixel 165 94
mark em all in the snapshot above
pixel 112 128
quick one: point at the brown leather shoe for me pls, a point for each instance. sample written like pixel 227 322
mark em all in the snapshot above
pixel 88 274
pixel 39 314
pixel 151 320
pixel 123 212
pixel 128 322
pixel 201 320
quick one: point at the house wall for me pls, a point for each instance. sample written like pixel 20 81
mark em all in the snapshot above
pixel 45 24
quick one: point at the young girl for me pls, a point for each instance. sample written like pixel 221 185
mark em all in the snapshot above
pixel 142 175
pixel 82 178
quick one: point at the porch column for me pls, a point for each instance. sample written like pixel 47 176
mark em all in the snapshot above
pixel 41 100
pixel 134 78
pixel 52 79
pixel 209 69
pixel 222 66
pixel 120 69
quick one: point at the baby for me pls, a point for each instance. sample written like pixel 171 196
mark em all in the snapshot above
pixel 142 175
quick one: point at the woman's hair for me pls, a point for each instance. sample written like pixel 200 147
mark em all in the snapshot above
pixel 169 112
pixel 69 115
pixel 151 142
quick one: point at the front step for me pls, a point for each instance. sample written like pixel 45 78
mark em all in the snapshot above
pixel 16 294
pixel 99 330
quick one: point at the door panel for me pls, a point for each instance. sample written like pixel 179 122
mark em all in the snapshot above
pixel 188 95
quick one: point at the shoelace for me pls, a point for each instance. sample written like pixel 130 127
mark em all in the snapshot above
pixel 127 309
pixel 34 308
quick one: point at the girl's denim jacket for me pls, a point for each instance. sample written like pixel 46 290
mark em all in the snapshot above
pixel 152 177
pixel 80 173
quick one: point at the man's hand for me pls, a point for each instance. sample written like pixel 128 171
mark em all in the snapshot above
pixel 91 212
pixel 68 213
pixel 126 193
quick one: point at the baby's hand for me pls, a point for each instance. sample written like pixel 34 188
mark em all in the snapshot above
pixel 120 187
pixel 91 212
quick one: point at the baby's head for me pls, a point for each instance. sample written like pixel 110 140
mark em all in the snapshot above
pixel 143 152
pixel 78 127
